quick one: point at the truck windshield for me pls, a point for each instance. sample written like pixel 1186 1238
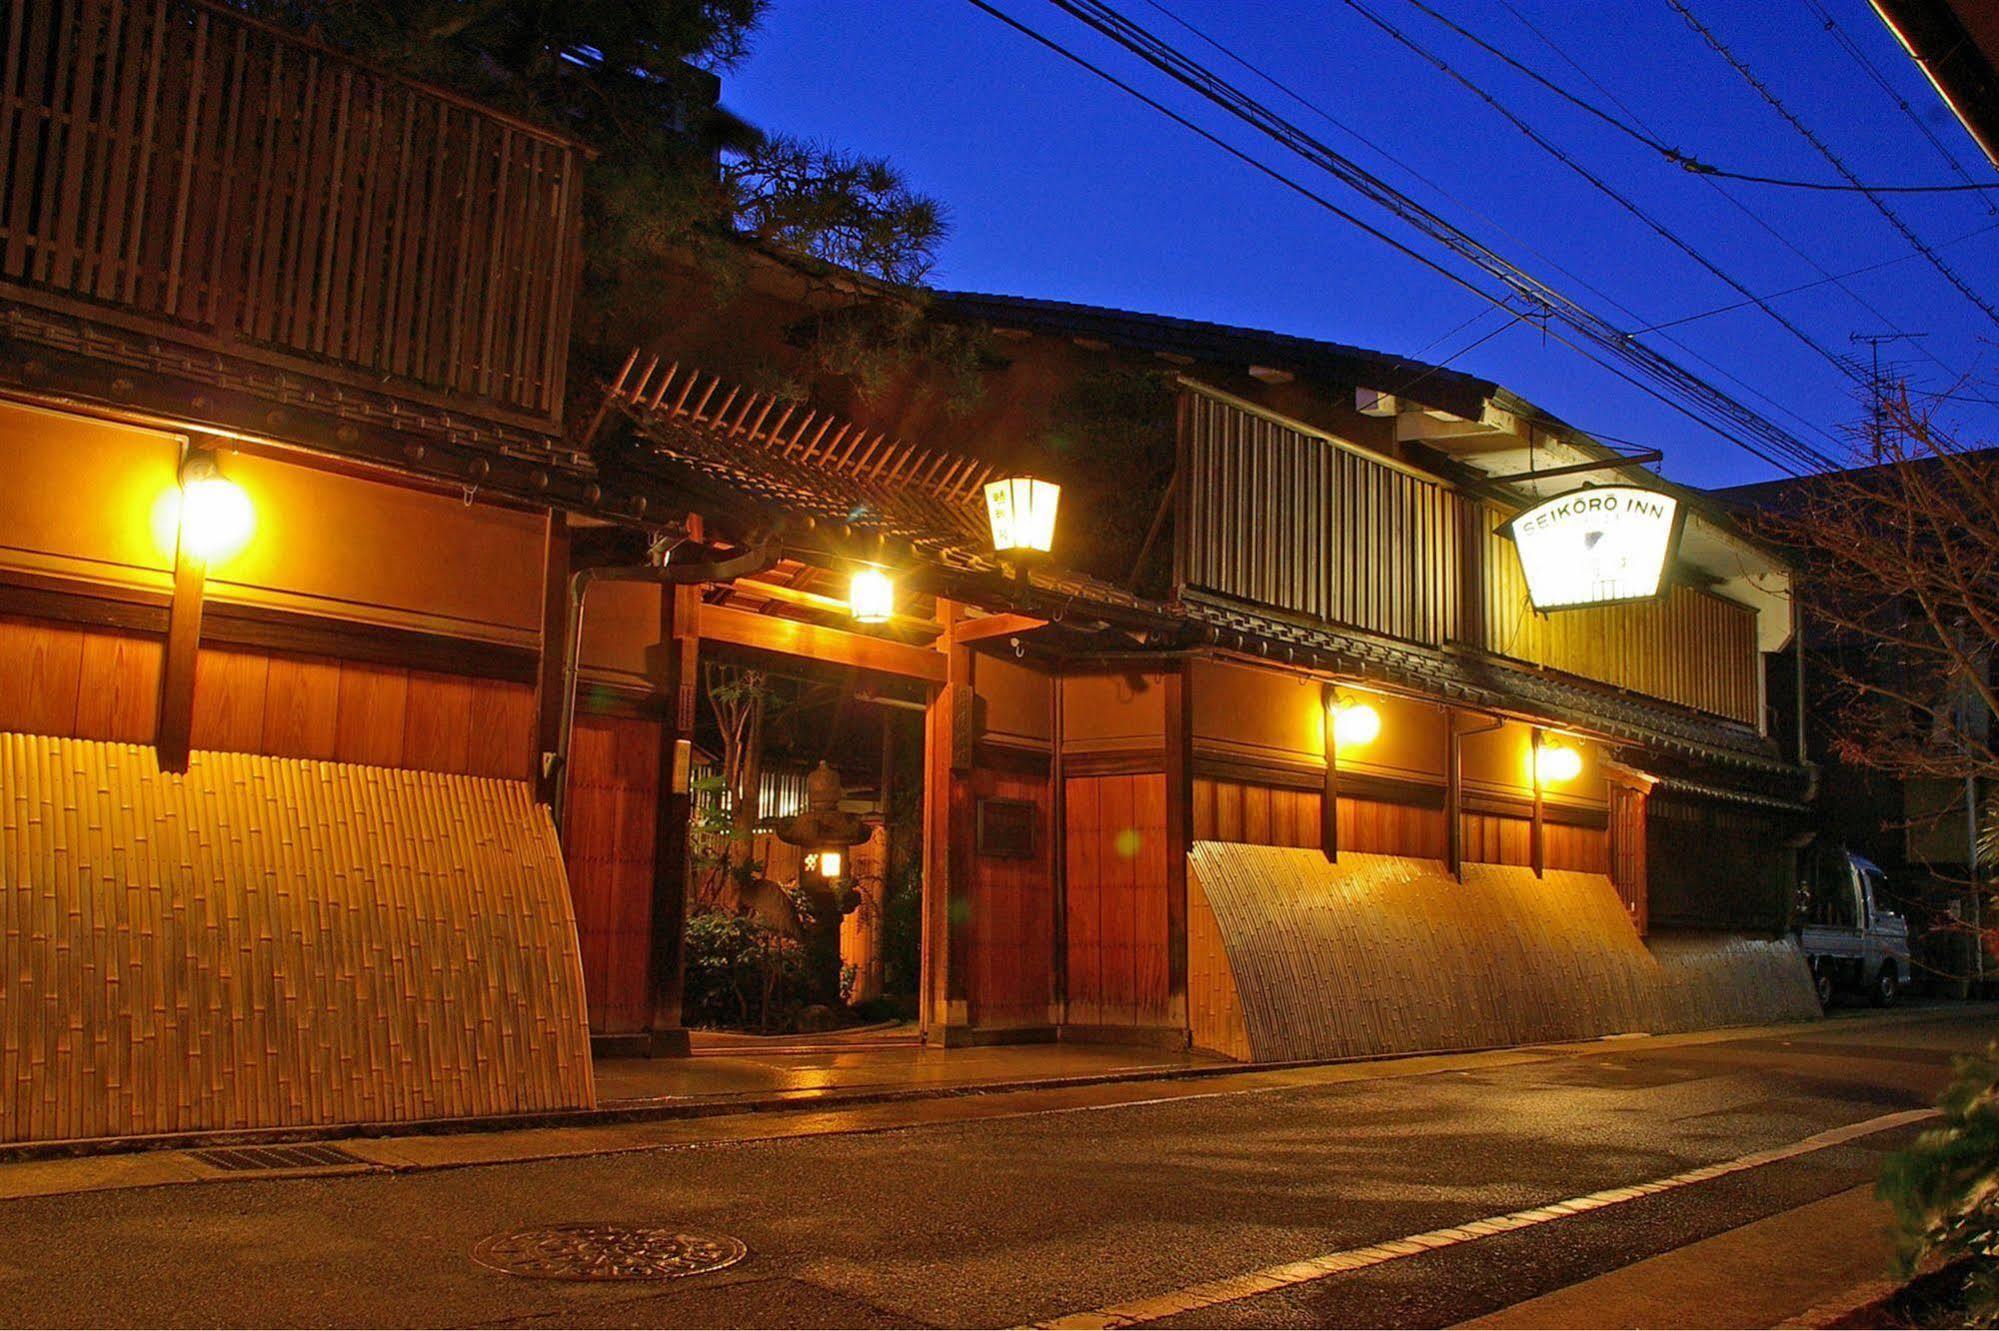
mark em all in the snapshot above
pixel 1834 892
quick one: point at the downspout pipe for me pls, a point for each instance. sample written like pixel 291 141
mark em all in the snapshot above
pixel 665 573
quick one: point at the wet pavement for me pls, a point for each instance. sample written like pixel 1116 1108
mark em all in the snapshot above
pixel 1008 1209
pixel 731 1067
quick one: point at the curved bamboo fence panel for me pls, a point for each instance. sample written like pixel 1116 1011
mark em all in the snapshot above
pixel 274 942
pixel 1385 954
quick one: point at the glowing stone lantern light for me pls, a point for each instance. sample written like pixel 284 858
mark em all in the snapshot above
pixel 871 597
pixel 824 831
pixel 215 515
pixel 1021 510
pixel 1555 764
pixel 1355 724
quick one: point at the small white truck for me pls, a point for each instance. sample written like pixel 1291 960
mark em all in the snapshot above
pixel 1852 942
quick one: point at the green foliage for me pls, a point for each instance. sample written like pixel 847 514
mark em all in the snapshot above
pixel 741 973
pixel 1945 1188
pixel 880 343
pixel 846 209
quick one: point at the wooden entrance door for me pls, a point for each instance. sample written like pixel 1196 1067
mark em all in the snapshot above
pixel 607 841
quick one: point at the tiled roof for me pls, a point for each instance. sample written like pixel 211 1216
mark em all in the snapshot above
pixel 1227 344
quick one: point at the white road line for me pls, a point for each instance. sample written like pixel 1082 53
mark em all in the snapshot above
pixel 1193 1298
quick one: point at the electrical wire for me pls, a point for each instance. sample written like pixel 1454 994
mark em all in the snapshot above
pixel 1603 186
pixel 1776 104
pixel 1729 197
pixel 1589 333
pixel 1523 242
pixel 1866 62
pixel 1827 280
pixel 1687 161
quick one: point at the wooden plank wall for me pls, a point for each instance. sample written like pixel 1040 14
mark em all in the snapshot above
pixel 1499 839
pixel 1691 648
pixel 1259 815
pixel 267 942
pixel 263 194
pixel 1246 813
pixel 607 843
pixel 78 683
pixel 1285 518
pixel 1713 865
pixel 1115 841
pixel 89 683
pixel 349 711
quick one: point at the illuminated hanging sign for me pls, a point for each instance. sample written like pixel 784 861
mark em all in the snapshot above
pixel 1596 545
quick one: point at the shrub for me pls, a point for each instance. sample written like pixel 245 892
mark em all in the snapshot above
pixel 741 973
pixel 1945 1188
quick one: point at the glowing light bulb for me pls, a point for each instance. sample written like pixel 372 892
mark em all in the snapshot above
pixel 216 517
pixel 1355 724
pixel 871 598
pixel 1556 763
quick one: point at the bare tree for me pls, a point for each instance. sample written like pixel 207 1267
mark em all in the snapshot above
pixel 1899 558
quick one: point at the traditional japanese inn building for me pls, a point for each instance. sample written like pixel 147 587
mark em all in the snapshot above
pixel 349 644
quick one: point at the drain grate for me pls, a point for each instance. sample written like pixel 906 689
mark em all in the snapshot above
pixel 606 1251
pixel 250 1159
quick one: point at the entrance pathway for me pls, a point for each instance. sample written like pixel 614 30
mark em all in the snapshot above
pixel 780 1068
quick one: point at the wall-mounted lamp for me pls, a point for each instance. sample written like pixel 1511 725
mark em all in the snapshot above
pixel 1556 763
pixel 1355 723
pixel 216 517
pixel 1021 510
pixel 871 597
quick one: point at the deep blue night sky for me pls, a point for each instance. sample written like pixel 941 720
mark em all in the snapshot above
pixel 1059 185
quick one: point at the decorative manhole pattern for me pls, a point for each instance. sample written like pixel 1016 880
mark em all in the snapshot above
pixel 606 1251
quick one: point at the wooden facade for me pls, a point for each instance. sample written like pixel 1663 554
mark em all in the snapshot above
pixel 1275 514
pixel 1140 822
pixel 176 167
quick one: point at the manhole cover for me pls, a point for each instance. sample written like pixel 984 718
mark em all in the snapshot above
pixel 606 1252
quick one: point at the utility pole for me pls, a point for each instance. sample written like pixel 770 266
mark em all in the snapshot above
pixel 1877 416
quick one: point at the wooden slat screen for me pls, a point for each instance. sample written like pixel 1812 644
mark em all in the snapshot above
pixel 1690 647
pixel 256 194
pixel 1284 518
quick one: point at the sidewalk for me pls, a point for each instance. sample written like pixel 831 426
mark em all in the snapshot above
pixel 1776 1271
pixel 728 1069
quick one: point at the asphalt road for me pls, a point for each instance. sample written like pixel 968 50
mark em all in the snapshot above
pixel 1024 1218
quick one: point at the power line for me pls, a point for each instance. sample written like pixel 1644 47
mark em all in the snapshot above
pixel 1776 104
pixel 1614 341
pixel 1523 242
pixel 1866 62
pixel 1729 197
pixel 1828 279
pixel 1598 182
pixel 1600 341
pixel 1684 160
